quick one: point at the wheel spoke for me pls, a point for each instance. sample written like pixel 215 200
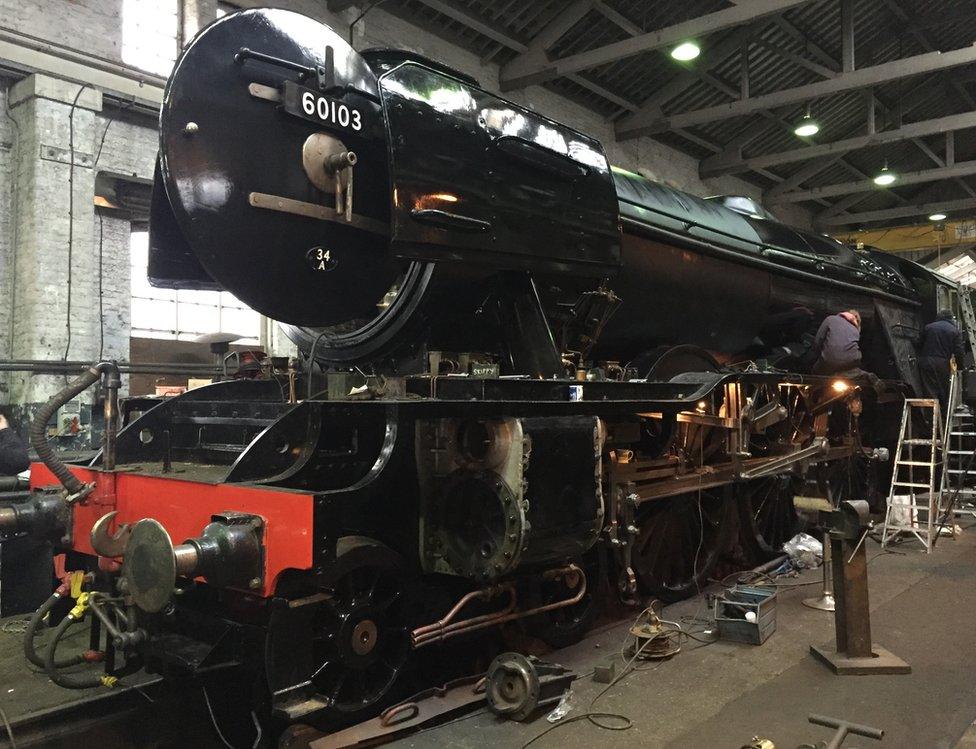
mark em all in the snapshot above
pixel 767 514
pixel 367 593
pixel 680 542
pixel 337 688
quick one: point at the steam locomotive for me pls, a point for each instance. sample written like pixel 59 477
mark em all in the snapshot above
pixel 527 373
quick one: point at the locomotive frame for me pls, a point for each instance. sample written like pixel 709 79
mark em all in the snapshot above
pixel 738 444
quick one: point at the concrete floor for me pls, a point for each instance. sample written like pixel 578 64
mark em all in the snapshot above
pixel 723 694
pixel 720 695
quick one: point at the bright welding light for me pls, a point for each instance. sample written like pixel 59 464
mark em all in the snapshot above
pixel 839 386
pixel 445 196
pixel 702 405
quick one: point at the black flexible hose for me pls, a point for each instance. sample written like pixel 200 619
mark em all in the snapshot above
pixel 38 428
pixel 68 681
pixel 32 626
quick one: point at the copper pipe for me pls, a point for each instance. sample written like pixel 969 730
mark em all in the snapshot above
pixel 442 629
pixel 487 620
pixel 485 593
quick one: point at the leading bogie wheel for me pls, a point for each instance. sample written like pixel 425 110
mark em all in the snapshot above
pixel 362 634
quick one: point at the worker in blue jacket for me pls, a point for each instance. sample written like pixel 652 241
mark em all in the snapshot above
pixel 941 341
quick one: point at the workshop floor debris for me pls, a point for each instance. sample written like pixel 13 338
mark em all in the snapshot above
pixel 724 694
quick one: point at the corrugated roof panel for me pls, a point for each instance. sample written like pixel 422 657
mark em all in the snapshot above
pixel 776 54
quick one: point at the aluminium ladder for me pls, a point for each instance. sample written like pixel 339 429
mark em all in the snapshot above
pixel 915 498
pixel 968 318
pixel 959 477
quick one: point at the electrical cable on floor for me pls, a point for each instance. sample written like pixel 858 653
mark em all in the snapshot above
pixel 625 723
pixel 10 730
pixel 71 214
pixel 213 720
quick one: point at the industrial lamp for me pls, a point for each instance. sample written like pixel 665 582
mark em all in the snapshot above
pixel 686 51
pixel 807 126
pixel 885 177
pixel 937 217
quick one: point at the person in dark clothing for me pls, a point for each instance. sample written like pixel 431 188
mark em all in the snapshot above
pixel 13 453
pixel 26 564
pixel 837 345
pixel 941 340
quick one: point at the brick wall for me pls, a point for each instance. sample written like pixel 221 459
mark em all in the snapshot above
pixel 93 26
pixel 7 197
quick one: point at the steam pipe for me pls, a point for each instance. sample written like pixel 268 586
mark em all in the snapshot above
pixel 42 366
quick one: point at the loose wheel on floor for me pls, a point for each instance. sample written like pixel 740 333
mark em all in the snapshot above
pixel 680 540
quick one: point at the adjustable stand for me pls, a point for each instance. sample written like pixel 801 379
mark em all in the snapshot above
pixel 855 653
pixel 826 601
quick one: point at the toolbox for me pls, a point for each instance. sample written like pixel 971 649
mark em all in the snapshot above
pixel 731 608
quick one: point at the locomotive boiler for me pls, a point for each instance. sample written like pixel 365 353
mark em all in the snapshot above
pixel 527 372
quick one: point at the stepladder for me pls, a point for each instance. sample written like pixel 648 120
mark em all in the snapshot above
pixel 959 477
pixel 915 498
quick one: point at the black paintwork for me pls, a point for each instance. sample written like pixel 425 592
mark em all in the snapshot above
pixel 245 144
pixel 479 185
pixel 504 186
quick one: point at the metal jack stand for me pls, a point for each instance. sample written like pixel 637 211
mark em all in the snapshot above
pixel 826 600
pixel 852 619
